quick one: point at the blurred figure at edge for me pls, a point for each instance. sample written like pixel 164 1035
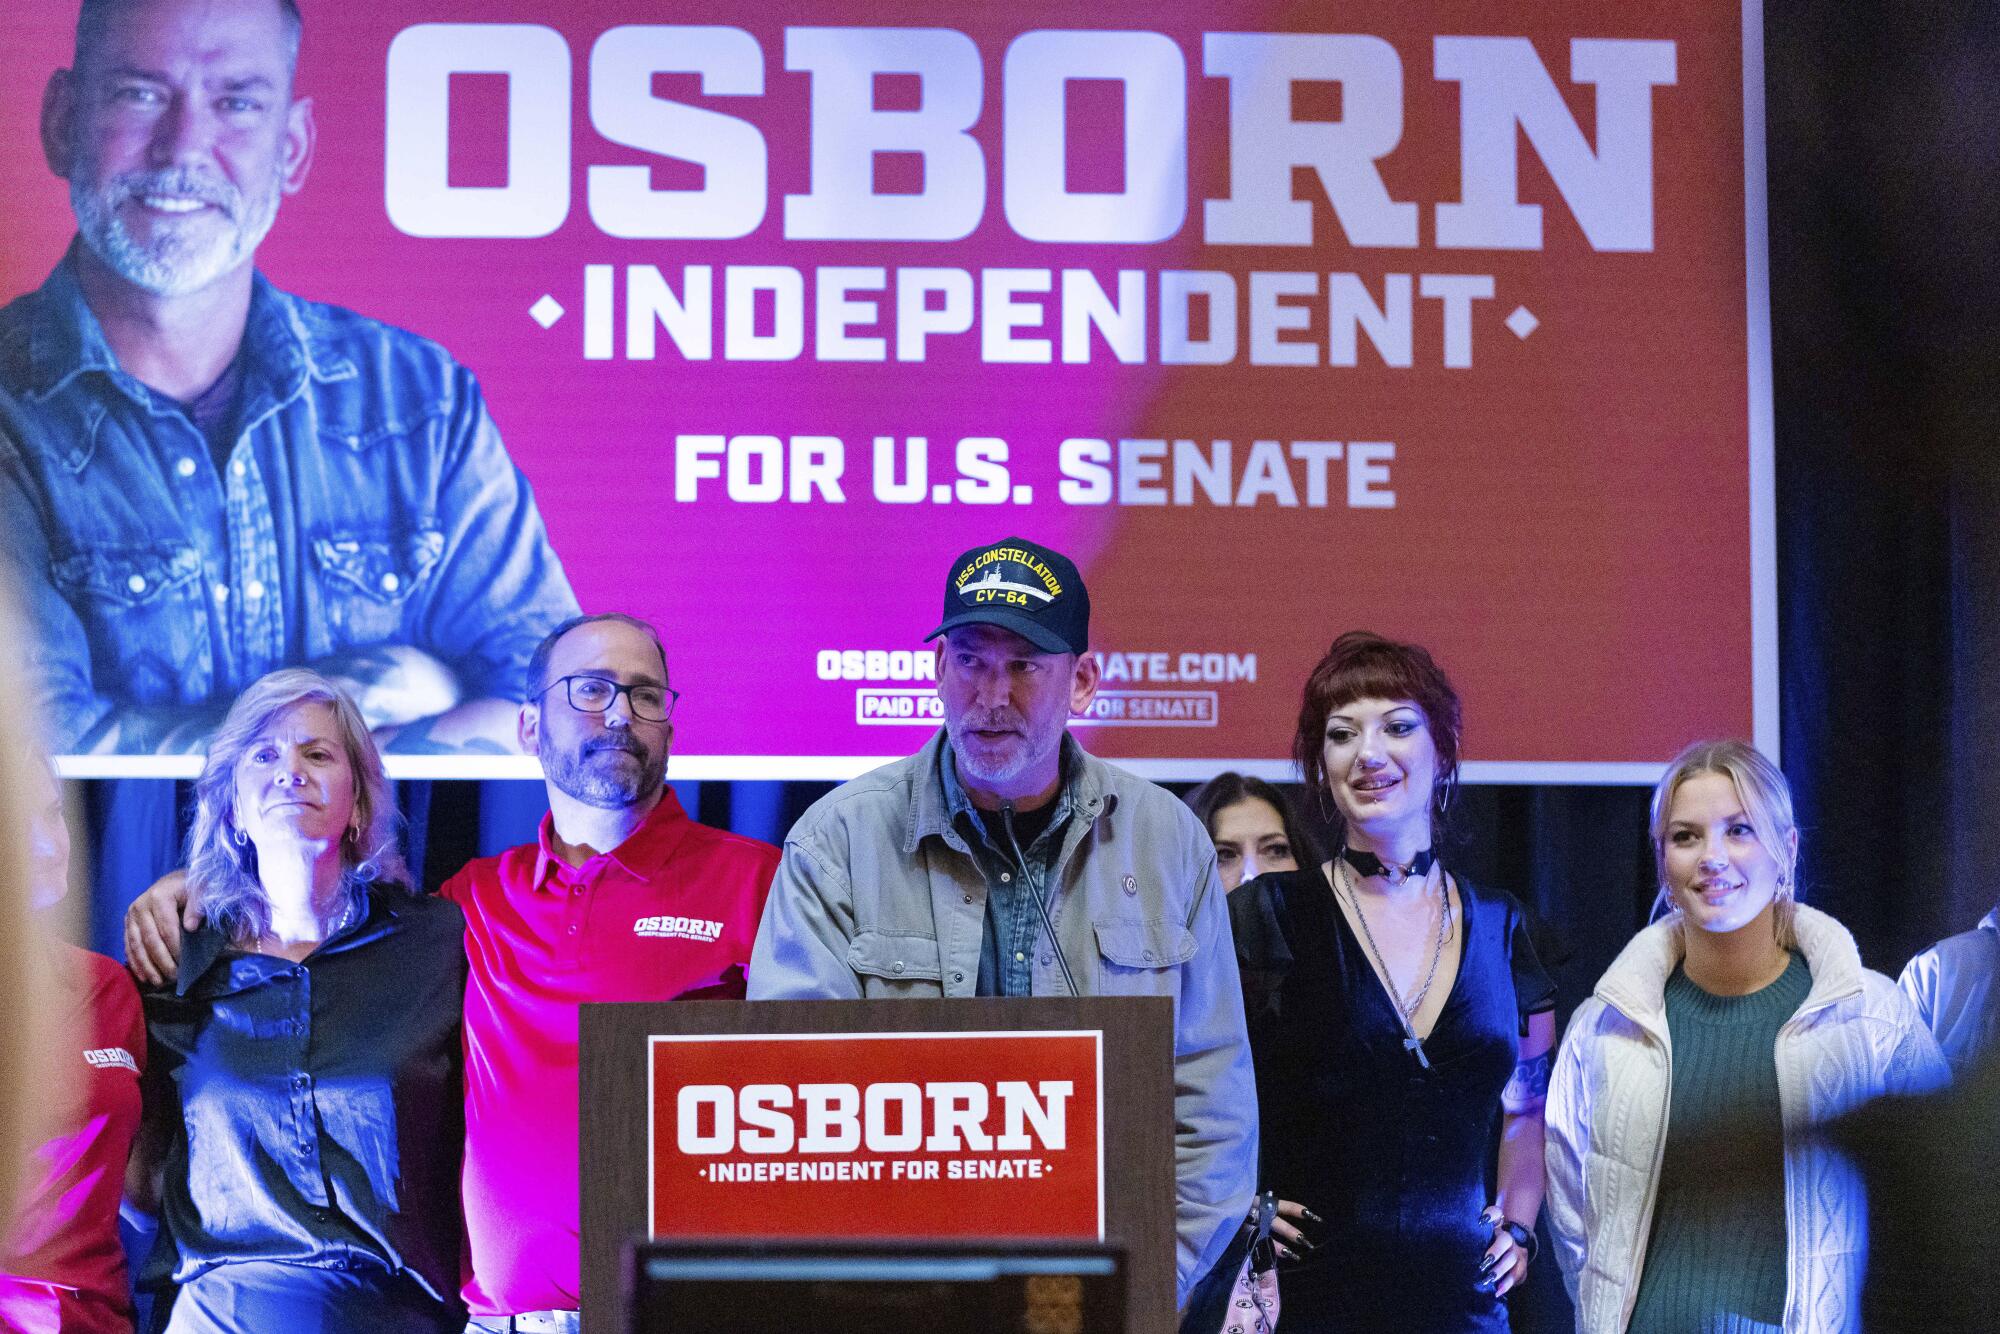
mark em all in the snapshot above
pixel 1955 985
pixel 62 1268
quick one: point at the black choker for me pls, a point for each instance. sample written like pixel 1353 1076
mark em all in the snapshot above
pixel 1367 863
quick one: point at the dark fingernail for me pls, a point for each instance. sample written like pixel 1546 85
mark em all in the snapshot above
pixel 1311 1215
pixel 1488 1263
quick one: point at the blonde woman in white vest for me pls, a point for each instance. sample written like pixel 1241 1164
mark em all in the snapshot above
pixel 1682 1195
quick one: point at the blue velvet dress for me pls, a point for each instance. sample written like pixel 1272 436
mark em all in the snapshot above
pixel 1397 1159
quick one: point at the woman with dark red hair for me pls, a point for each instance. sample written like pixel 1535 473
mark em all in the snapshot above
pixel 1400 1024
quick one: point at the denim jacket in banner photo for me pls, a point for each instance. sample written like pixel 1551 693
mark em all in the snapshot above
pixel 367 501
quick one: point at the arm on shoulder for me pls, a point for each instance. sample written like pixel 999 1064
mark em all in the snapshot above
pixel 153 925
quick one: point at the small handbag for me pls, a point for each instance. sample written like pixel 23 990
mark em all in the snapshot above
pixel 1253 1302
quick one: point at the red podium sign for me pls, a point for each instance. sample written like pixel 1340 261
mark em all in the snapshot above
pixel 990 1134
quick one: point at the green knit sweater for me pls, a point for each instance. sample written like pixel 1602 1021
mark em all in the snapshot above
pixel 1716 1260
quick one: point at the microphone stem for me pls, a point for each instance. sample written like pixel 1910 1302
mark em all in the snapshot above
pixel 1033 888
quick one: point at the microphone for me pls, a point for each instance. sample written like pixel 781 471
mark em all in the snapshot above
pixel 1041 905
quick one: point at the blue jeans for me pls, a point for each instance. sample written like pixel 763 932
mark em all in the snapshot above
pixel 258 1297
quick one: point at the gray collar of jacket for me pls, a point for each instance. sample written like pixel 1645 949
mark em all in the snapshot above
pixel 1086 787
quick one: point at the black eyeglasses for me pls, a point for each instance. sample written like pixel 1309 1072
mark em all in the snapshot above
pixel 595 694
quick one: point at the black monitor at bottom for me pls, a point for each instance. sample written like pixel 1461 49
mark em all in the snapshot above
pixel 873 1287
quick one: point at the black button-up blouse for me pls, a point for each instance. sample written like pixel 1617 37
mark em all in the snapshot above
pixel 319 1104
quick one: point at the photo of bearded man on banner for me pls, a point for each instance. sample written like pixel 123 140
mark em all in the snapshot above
pixel 204 478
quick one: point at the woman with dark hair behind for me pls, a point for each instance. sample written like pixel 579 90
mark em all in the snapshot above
pixel 1252 825
pixel 303 1088
pixel 1400 1024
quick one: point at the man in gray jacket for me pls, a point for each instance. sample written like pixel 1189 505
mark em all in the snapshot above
pixel 1003 860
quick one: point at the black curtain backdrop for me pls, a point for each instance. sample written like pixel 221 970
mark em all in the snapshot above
pixel 1884 161
pixel 1884 126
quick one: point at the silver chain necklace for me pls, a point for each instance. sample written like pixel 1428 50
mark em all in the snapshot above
pixel 1406 1012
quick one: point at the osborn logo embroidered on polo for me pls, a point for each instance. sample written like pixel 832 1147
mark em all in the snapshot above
pixel 109 1058
pixel 684 928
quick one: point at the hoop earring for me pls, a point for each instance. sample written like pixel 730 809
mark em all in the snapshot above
pixel 239 838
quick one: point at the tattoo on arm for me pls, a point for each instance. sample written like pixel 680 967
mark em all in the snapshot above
pixel 1528 1088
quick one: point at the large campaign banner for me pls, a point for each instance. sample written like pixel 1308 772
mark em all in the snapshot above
pixel 1438 319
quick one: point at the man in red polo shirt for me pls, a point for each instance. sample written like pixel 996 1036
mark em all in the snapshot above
pixel 61 1266
pixel 620 898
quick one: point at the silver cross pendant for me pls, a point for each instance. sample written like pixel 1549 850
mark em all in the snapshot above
pixel 1416 1045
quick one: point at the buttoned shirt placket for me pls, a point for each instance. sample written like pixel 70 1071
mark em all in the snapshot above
pixel 274 374
pixel 1013 889
pixel 244 581
pixel 307 1177
pixel 1018 965
pixel 308 1174
pixel 258 617
pixel 574 888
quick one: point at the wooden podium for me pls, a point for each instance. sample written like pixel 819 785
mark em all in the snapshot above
pixel 1025 1119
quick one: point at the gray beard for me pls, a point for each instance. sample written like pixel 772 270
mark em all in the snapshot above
pixel 575 776
pixel 173 265
pixel 988 774
pixel 979 771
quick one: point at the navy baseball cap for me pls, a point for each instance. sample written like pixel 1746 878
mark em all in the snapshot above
pixel 1019 586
